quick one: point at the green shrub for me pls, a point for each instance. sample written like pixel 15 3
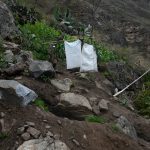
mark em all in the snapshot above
pixel 41 104
pixel 142 101
pixel 96 119
pixel 38 37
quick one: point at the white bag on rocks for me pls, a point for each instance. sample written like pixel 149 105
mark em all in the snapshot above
pixel 73 54
pixel 89 59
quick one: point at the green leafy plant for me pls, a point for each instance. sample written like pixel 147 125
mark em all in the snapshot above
pixel 96 119
pixel 41 104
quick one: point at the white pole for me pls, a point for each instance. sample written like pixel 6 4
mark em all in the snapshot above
pixel 118 93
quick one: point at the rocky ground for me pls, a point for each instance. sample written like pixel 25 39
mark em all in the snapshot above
pixel 79 110
pixel 71 96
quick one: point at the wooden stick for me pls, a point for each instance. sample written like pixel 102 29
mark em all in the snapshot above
pixel 118 93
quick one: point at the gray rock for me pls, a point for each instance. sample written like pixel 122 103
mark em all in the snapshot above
pixel 96 109
pixel 74 104
pixel 34 132
pixel 25 136
pixel 32 124
pixel 15 93
pixel 24 56
pixel 50 134
pixel 7 25
pixel 76 142
pixel 11 46
pixel 2 125
pixel 124 125
pixel 57 136
pixel 20 130
pixel 39 68
pixel 47 127
pixel 59 122
pixel 9 56
pixel 63 85
pixel 102 87
pixel 116 114
pixel 103 105
pixel 43 144
pixel 2 115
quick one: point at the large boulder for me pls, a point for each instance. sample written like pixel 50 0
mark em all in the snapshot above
pixel 7 25
pixel 43 144
pixel 124 125
pixel 39 68
pixel 12 92
pixel 74 105
pixel 63 85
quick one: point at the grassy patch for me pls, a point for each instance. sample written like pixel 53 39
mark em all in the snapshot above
pixel 96 119
pixel 41 104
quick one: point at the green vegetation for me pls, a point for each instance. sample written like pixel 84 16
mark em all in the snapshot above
pixel 3 136
pixel 114 128
pixel 96 119
pixel 142 101
pixel 41 104
pixel 37 38
pixel 104 54
pixel 41 39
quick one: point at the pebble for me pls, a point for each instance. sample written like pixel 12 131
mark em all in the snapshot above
pixel 26 136
pixel 20 130
pixel 103 105
pixel 116 114
pixel 34 132
pixel 47 127
pixel 76 142
pixel 50 134
pixel 32 124
pixel 59 122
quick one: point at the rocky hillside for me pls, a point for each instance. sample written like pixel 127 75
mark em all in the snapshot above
pixel 119 23
pixel 44 106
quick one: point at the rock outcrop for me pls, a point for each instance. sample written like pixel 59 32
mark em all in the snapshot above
pixel 7 23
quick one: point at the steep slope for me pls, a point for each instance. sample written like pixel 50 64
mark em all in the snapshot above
pixel 124 23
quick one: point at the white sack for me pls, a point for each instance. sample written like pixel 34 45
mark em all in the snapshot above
pixel 73 54
pixel 89 58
